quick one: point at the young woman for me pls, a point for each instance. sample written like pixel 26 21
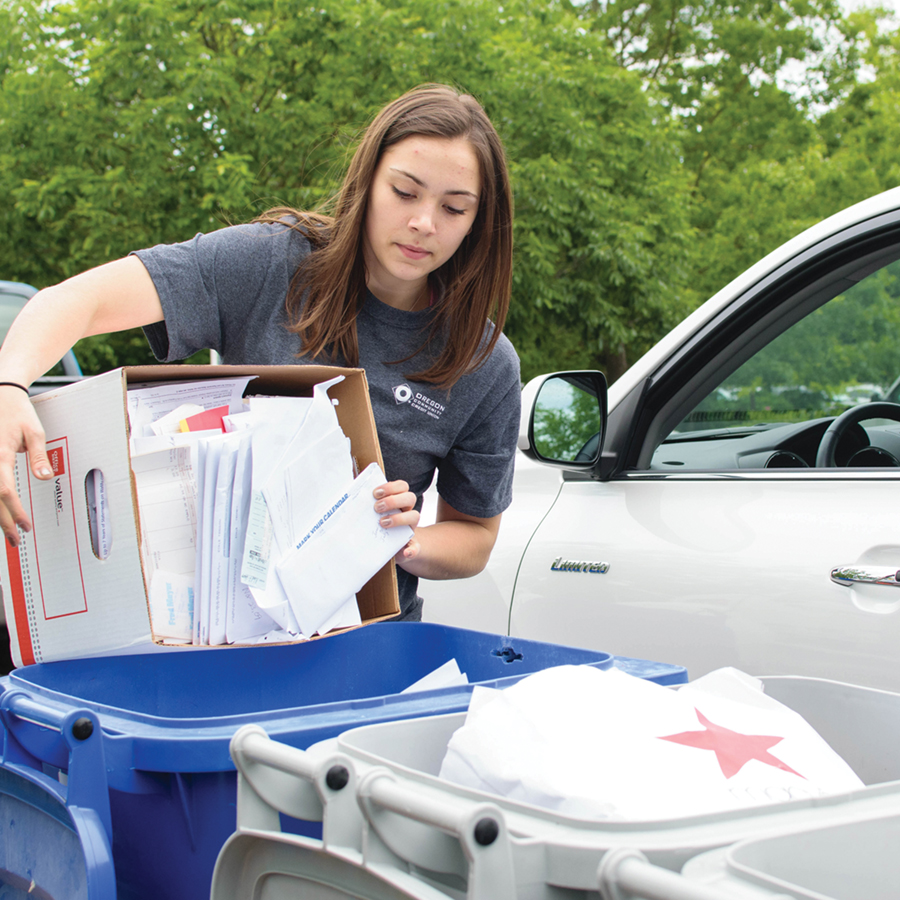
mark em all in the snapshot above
pixel 409 278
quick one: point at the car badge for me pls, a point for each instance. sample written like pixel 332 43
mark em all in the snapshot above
pixel 577 565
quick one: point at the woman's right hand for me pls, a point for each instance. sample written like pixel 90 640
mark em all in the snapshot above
pixel 21 431
pixel 112 297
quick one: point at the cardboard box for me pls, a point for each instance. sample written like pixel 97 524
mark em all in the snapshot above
pixel 61 600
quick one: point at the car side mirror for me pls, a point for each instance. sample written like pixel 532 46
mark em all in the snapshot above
pixel 564 419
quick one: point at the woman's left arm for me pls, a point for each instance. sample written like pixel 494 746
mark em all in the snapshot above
pixel 456 546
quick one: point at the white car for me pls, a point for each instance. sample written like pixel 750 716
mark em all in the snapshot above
pixel 742 509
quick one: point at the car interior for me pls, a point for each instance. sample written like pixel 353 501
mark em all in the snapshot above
pixel 803 371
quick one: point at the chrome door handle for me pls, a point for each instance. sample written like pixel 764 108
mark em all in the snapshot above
pixel 850 575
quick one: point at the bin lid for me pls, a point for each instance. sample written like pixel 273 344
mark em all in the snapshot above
pixel 284 867
pixel 80 866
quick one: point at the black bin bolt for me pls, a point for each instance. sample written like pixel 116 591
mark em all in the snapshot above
pixel 486 831
pixel 337 777
pixel 82 729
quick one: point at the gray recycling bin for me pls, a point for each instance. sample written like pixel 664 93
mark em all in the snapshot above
pixel 853 860
pixel 386 813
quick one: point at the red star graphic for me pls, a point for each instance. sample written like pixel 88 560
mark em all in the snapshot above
pixel 733 750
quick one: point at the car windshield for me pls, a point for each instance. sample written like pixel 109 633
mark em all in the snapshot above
pixel 841 355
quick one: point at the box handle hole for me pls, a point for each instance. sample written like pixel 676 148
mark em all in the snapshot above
pixel 98 513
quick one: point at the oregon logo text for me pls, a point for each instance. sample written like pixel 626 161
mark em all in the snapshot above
pixel 418 401
pixel 403 393
pixel 573 565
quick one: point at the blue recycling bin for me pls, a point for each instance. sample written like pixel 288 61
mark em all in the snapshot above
pixel 141 741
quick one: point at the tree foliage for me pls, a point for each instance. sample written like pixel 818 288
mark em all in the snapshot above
pixel 145 121
pixel 759 90
pixel 656 149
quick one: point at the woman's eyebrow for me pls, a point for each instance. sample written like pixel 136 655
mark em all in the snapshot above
pixel 422 184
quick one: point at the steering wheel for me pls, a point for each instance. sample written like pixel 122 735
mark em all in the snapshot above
pixel 837 429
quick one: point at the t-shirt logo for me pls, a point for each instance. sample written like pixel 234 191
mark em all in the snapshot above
pixel 403 393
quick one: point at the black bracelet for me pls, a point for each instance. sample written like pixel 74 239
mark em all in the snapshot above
pixel 21 387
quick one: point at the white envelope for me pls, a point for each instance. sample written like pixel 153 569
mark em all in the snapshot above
pixel 447 675
pixel 296 492
pixel 220 546
pixel 243 617
pixel 275 422
pixel 274 603
pixel 210 453
pixel 343 549
pixel 346 617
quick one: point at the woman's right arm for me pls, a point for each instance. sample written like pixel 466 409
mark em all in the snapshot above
pixel 112 297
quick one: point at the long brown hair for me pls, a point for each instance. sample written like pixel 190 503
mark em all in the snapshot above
pixel 472 287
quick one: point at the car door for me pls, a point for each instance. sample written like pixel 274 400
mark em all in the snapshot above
pixel 714 535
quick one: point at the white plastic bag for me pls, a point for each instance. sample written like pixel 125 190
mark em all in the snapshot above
pixel 603 744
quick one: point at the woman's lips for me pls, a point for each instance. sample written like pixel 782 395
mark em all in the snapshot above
pixel 412 252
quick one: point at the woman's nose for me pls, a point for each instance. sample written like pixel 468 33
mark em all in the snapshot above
pixel 422 220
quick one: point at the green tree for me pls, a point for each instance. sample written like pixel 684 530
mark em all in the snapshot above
pixel 746 82
pixel 143 121
pixel 601 210
pixel 860 135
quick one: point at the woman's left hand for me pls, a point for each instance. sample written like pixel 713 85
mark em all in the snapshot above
pixel 395 503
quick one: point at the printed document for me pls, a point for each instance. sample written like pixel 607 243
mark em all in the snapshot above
pixel 254 531
pixel 341 551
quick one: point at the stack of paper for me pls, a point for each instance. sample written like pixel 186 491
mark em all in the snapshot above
pixel 255 525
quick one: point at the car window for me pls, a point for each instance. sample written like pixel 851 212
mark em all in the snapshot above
pixel 843 354
pixel 10 304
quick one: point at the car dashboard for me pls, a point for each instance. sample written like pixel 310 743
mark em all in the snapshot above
pixel 778 446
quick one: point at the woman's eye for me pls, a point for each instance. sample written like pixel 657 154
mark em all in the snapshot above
pixel 403 195
pixel 456 212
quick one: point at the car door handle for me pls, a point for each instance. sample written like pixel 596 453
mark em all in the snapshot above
pixel 850 575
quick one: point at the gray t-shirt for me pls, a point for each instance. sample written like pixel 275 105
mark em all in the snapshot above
pixel 226 291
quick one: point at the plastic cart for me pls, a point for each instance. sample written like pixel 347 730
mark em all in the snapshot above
pixel 154 729
pixel 386 813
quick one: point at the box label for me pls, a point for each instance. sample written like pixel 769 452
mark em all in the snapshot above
pixel 57 460
pixel 51 558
